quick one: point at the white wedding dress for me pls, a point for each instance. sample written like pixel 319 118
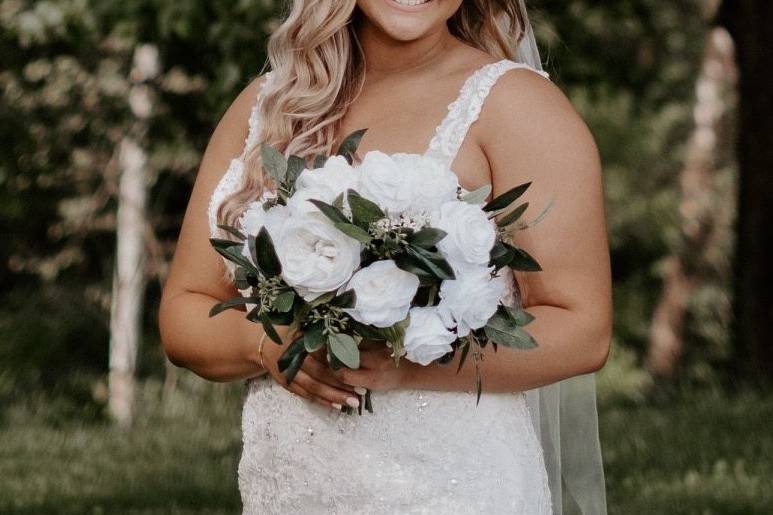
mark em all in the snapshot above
pixel 421 451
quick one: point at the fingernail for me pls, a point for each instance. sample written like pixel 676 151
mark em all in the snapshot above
pixel 351 401
pixel 337 406
pixel 359 390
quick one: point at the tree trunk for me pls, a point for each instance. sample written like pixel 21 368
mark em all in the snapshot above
pixel 129 274
pixel 701 220
pixel 750 22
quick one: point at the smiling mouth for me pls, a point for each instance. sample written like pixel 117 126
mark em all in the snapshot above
pixel 411 3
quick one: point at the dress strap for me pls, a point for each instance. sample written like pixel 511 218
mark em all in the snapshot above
pixel 464 111
pixel 254 123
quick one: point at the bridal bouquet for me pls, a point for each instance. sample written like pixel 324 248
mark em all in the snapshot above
pixel 388 250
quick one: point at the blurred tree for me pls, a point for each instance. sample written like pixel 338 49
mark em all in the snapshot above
pixel 706 206
pixel 749 21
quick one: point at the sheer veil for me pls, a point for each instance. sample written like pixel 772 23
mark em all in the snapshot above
pixel 564 414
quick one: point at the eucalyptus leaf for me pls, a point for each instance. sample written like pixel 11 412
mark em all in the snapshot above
pixel 268 327
pixel 368 331
pixel 364 211
pixel 224 244
pixel 267 259
pixel 333 213
pixel 354 232
pixel 292 359
pixel 284 301
pixel 523 262
pixel 434 263
pixel 232 303
pixel 501 255
pixel 427 237
pixel 295 165
pixel 519 315
pixel 349 145
pixel 478 196
pixel 319 161
pixel 232 230
pixel 507 198
pixel 463 357
pixel 274 162
pixel 235 256
pixel 504 331
pixel 513 216
pixel 314 337
pixel 347 299
pixel 345 349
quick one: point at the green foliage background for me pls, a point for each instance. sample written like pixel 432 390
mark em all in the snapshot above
pixel 628 66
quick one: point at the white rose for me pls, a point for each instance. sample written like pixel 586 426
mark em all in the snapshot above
pixel 384 182
pixel 255 218
pixel 384 294
pixel 427 338
pixel 323 184
pixel 471 235
pixel 470 300
pixel 432 184
pixel 316 257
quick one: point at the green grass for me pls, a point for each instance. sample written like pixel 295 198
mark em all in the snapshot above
pixel 704 454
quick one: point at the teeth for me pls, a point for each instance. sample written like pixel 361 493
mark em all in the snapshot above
pixel 410 2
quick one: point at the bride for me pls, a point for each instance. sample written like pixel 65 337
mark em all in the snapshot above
pixel 441 78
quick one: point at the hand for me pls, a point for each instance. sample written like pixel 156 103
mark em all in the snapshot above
pixel 377 370
pixel 314 381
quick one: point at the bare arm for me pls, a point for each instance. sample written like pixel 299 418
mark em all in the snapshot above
pixel 224 347
pixel 530 132
pixel 221 348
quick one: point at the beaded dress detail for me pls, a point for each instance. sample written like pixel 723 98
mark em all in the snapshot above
pixel 421 452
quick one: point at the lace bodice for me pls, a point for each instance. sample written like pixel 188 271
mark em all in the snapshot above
pixel 421 451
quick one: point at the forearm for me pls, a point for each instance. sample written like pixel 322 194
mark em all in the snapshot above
pixel 221 348
pixel 570 344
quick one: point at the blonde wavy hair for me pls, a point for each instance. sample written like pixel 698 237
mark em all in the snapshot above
pixel 318 70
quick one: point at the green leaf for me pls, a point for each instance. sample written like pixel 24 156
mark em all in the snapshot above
pixel 322 299
pixel 292 359
pixel 501 255
pixel 519 315
pixel 331 212
pixel 284 301
pixel 232 303
pixel 345 349
pixel 338 202
pixel 368 331
pixel 354 232
pixel 523 262
pixel 368 402
pixel 347 299
pixel 295 165
pixel 274 162
pixel 253 247
pixel 364 211
pixel 268 327
pixel 513 216
pixel 412 264
pixel 507 198
pixel 224 244
pixel 427 238
pixel 503 330
pixel 266 258
pixel 478 196
pixel 232 230
pixel 349 145
pixel 234 255
pixel 463 357
pixel 433 263
pixel 314 337
pixel 319 161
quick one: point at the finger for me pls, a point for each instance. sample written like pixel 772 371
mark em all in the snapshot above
pixel 322 372
pixel 334 396
pixel 305 394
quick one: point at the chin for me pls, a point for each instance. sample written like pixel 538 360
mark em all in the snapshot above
pixel 407 20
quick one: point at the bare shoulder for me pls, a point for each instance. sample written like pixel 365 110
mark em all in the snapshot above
pixel 528 118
